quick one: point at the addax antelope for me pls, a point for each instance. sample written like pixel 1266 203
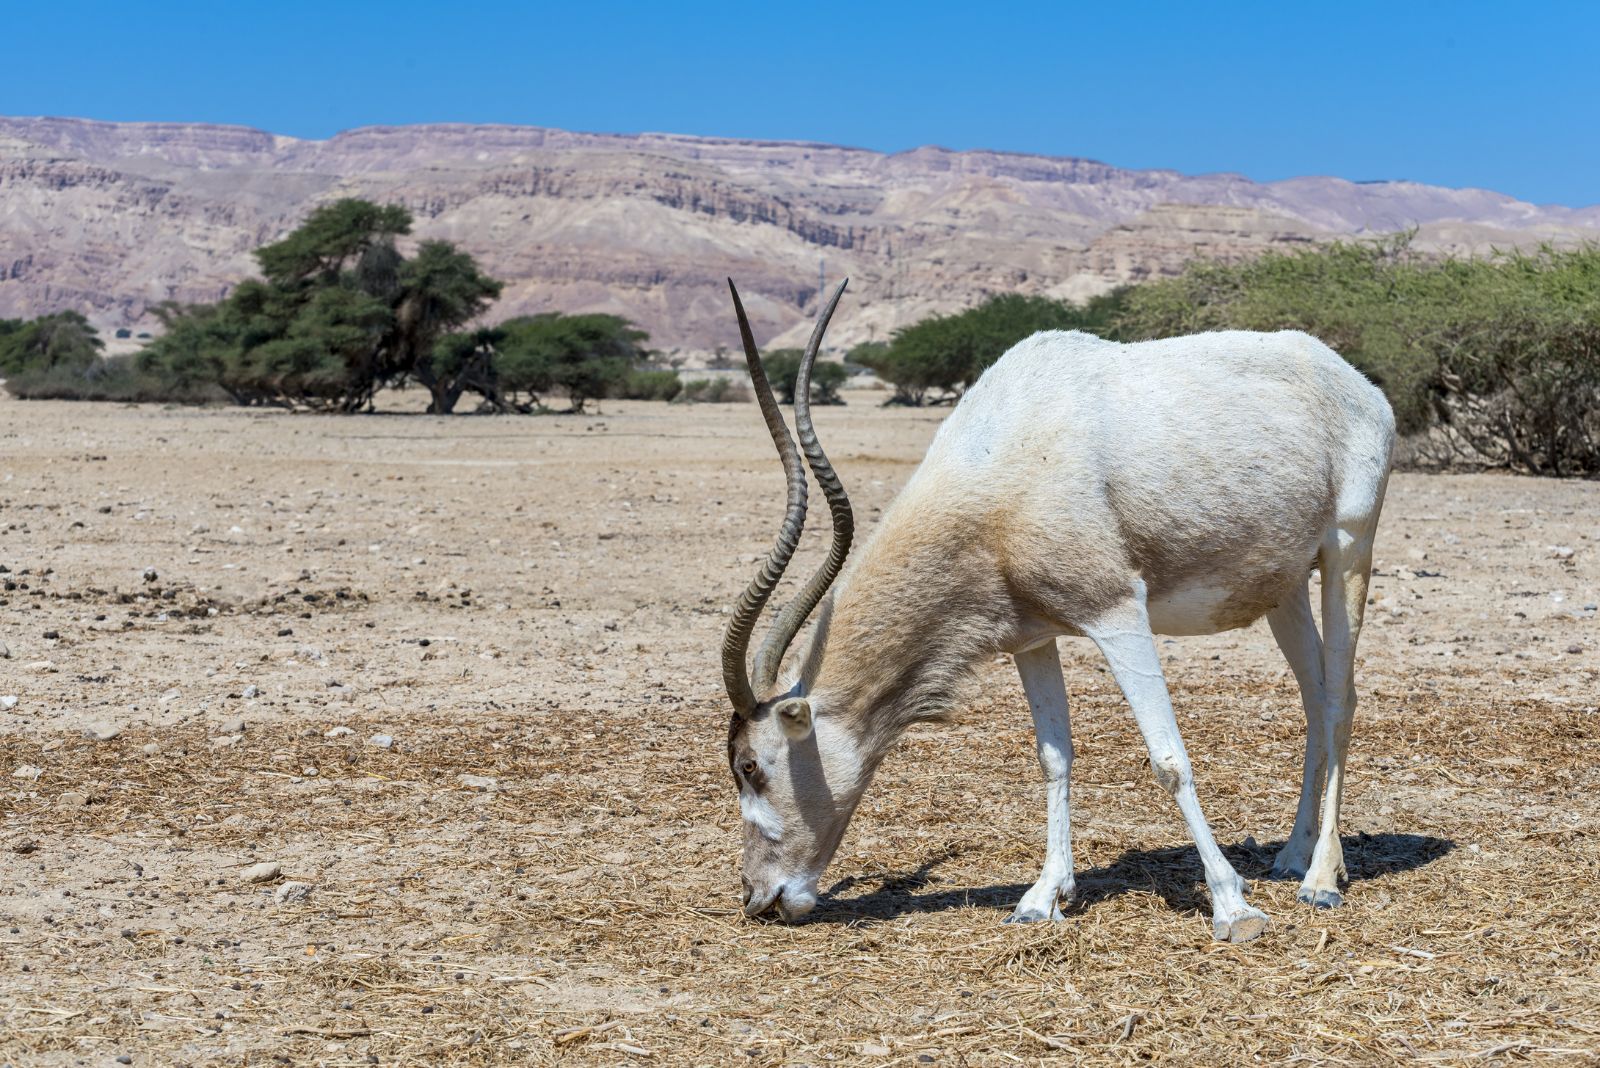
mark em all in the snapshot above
pixel 1081 487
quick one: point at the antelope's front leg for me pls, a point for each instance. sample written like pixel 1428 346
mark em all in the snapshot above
pixel 1124 637
pixel 1040 668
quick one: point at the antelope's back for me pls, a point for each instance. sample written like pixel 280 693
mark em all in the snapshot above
pixel 1230 451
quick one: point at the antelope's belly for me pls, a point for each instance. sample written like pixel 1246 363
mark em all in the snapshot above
pixel 1199 608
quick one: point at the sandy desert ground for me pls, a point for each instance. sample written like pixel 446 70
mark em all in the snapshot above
pixel 213 619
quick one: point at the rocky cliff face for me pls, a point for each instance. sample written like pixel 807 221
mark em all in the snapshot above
pixel 110 218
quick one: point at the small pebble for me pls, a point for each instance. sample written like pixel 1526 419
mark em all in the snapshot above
pixel 382 741
pixel 250 692
pixel 151 748
pixel 291 892
pixel 479 782
pixel 264 872
pixel 24 846
pixel 337 732
pixel 150 574
pixel 1574 648
pixel 5 651
pixel 72 799
pixel 102 732
pixel 8 702
pixel 28 771
pixel 233 725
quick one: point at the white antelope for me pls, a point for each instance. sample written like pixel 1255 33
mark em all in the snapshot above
pixel 1081 487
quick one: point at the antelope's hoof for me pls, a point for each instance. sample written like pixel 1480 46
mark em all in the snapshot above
pixel 1032 915
pixel 1289 868
pixel 1240 927
pixel 1319 899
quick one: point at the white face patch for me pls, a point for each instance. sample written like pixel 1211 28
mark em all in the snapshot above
pixel 758 812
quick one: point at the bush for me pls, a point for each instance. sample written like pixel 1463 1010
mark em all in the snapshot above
pixel 1496 360
pixel 716 390
pixel 650 385
pixel 1368 301
pixel 1518 377
pixel 117 378
pixel 941 356
pixel 61 342
pixel 783 371
pixel 584 356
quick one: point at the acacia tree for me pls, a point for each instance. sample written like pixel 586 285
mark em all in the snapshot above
pixel 63 341
pixel 338 314
pixel 585 356
pixel 439 291
pixel 461 362
pixel 334 237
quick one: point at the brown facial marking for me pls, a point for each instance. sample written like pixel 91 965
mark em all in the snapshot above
pixel 742 760
pixel 735 730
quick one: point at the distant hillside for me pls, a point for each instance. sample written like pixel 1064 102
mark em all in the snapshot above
pixel 109 218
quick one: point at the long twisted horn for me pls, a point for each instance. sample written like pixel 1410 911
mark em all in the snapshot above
pixel 736 642
pixel 769 658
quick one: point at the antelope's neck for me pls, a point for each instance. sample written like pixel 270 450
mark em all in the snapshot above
pixel 910 619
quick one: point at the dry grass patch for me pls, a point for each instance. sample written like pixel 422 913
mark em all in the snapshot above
pixel 573 897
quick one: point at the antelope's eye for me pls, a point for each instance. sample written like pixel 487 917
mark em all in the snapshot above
pixel 748 767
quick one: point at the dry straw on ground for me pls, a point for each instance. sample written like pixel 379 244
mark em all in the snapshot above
pixel 541 867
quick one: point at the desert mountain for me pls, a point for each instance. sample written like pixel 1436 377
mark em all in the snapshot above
pixel 109 218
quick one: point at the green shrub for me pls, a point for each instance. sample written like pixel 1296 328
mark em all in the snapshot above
pixel 939 357
pixel 1369 301
pixel 63 341
pixel 718 390
pixel 783 371
pixel 117 378
pixel 587 357
pixel 650 385
pixel 1496 361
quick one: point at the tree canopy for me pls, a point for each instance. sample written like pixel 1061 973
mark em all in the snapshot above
pixel 64 341
pixel 939 357
pixel 338 314
pixel 584 356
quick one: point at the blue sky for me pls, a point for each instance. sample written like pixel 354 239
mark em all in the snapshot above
pixel 1503 96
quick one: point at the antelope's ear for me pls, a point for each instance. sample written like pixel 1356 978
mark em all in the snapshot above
pixel 795 715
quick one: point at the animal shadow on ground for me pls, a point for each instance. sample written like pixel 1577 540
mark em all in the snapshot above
pixel 1175 873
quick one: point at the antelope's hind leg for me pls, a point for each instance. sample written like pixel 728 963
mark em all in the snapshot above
pixel 1296 634
pixel 1040 668
pixel 1124 637
pixel 1346 568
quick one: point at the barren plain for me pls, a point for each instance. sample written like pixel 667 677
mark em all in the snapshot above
pixel 399 740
